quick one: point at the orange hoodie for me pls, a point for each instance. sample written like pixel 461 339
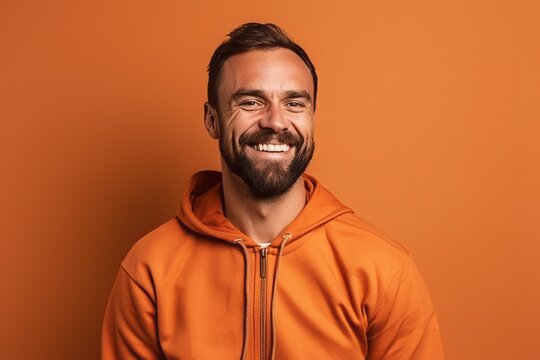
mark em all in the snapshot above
pixel 329 287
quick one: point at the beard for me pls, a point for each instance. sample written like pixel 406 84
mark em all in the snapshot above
pixel 267 179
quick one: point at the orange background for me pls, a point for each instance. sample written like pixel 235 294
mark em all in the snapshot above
pixel 427 125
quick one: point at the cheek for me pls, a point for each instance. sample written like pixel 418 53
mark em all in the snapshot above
pixel 306 127
pixel 241 123
pixel 230 120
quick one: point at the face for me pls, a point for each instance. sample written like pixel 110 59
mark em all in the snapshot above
pixel 264 119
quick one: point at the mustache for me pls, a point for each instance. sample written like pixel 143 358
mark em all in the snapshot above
pixel 266 135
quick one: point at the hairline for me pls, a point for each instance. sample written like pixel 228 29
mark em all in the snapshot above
pixel 269 48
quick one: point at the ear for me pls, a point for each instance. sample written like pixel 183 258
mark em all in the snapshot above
pixel 211 120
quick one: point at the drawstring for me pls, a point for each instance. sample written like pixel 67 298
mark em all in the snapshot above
pixel 286 237
pixel 246 297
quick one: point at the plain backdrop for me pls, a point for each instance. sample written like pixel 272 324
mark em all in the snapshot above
pixel 427 126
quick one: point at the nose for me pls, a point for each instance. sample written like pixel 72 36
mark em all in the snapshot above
pixel 275 119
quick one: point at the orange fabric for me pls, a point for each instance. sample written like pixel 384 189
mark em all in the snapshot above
pixel 197 288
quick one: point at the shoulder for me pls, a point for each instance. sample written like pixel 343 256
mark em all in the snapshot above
pixel 358 253
pixel 156 251
pixel 366 256
pixel 363 242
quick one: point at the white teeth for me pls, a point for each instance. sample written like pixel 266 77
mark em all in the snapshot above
pixel 272 147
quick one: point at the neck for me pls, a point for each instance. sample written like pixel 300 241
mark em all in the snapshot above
pixel 261 219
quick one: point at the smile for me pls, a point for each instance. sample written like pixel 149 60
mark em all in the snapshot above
pixel 271 147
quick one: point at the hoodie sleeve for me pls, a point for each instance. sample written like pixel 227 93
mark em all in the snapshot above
pixel 404 325
pixel 129 327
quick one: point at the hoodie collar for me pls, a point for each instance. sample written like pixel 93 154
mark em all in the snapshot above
pixel 201 209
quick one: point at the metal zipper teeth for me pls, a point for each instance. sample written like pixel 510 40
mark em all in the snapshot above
pixel 262 297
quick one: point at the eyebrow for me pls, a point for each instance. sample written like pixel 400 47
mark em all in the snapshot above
pixel 289 94
pixel 247 92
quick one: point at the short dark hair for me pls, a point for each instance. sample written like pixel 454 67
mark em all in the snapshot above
pixel 251 36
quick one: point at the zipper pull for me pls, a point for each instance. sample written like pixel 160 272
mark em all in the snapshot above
pixel 263 262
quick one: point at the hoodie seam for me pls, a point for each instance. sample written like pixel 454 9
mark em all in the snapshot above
pixel 340 290
pixel 382 301
pixel 381 236
pixel 291 246
pixel 137 282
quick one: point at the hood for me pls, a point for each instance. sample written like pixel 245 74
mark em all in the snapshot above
pixel 201 209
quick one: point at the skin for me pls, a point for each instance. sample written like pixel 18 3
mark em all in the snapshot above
pixel 262 89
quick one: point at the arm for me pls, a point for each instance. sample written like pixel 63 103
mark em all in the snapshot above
pixel 404 325
pixel 130 325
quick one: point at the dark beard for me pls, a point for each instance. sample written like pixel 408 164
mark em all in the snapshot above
pixel 275 177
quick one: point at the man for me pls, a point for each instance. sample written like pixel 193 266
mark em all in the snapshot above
pixel 262 262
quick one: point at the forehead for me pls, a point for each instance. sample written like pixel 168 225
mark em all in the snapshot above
pixel 268 70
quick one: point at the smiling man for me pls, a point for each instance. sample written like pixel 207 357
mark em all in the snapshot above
pixel 262 262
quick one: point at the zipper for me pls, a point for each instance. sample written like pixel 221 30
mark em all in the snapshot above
pixel 262 296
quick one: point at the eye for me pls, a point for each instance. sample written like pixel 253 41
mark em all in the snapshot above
pixel 250 105
pixel 295 105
